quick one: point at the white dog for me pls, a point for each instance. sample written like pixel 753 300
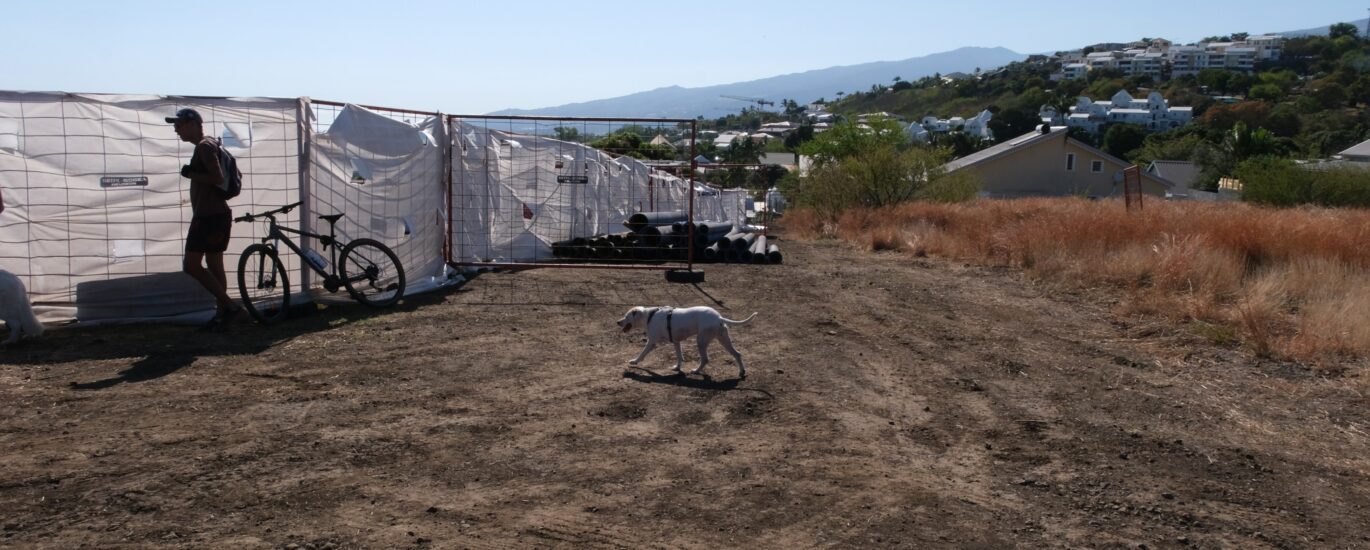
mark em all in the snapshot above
pixel 674 325
pixel 15 310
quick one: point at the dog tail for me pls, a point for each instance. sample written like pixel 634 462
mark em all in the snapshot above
pixel 32 327
pixel 731 322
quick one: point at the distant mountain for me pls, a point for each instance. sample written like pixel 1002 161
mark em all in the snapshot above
pixel 678 102
pixel 1322 31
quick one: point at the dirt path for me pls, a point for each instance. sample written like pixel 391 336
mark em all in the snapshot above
pixel 891 402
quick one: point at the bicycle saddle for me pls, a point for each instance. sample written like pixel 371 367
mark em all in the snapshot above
pixel 331 218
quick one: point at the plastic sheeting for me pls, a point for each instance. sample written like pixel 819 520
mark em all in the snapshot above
pixel 386 177
pixel 513 195
pixel 96 211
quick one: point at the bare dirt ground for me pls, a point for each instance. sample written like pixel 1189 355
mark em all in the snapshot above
pixel 891 402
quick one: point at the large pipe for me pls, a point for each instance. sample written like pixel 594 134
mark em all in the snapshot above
pixel 708 232
pixel 773 254
pixel 744 242
pixel 640 220
pixel 731 238
pixel 649 236
pixel 758 250
pixel 712 252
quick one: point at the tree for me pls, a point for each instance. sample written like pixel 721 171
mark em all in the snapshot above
pixel 1266 92
pixel 1329 95
pixel 1339 30
pixel 742 151
pixel 627 142
pixel 882 176
pixel 1176 145
pixel 1284 121
pixel 565 133
pixel 1225 117
pixel 1215 79
pixel 1245 142
pixel 1122 139
pixel 1011 123
pixel 846 139
pixel 799 137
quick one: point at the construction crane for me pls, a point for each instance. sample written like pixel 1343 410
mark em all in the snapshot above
pixel 757 100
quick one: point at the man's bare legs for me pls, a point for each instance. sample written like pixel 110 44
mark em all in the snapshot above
pixel 214 279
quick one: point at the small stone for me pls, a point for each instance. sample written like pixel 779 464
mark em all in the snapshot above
pixel 432 509
pixel 1182 539
pixel 1168 496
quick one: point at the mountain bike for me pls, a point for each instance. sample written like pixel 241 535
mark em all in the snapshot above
pixel 369 270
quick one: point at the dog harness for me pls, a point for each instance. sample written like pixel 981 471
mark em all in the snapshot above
pixel 669 311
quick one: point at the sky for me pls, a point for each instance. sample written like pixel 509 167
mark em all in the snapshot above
pixel 472 58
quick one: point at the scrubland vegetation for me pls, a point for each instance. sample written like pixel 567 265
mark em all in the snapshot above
pixel 1289 283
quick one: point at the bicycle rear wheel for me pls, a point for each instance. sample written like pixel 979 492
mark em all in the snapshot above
pixel 263 283
pixel 372 273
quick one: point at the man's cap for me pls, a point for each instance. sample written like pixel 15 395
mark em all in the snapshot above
pixel 184 115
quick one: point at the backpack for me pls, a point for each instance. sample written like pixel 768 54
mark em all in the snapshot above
pixel 233 178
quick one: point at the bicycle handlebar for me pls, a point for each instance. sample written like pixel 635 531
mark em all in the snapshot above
pixel 282 210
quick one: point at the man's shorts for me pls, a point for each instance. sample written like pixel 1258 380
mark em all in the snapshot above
pixel 209 233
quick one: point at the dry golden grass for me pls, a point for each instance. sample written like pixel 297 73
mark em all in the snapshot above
pixel 1294 282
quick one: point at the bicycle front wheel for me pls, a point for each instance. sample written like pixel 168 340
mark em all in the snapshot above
pixel 263 283
pixel 372 273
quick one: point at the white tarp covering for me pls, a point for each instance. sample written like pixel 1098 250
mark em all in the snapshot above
pixel 513 195
pixel 387 178
pixel 96 211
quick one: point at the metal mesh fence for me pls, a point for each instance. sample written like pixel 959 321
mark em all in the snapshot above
pixel 384 168
pixel 96 210
pixel 575 192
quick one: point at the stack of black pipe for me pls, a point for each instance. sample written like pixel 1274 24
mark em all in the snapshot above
pixel 665 236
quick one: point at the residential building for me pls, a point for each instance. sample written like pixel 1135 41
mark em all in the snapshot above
pixel 1160 56
pixel 862 119
pixel 1184 175
pixel 726 139
pixel 788 161
pixel 1358 153
pixel 1269 47
pixel 778 129
pixel 978 126
pixel 1154 112
pixel 1047 162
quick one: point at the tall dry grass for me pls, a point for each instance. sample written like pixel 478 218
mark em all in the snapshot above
pixel 1295 282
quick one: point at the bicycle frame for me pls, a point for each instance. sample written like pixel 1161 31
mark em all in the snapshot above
pixel 278 233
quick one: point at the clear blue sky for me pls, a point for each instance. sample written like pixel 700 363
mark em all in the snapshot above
pixel 476 57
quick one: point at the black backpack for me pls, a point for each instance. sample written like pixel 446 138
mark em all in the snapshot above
pixel 233 178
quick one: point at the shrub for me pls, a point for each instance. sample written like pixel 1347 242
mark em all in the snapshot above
pixel 882 176
pixel 1289 283
pixel 1281 182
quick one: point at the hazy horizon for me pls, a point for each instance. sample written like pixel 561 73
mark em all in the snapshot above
pixel 479 58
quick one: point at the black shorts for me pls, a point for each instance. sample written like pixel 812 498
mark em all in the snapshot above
pixel 209 233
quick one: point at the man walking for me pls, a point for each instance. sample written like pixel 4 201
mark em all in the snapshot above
pixel 211 220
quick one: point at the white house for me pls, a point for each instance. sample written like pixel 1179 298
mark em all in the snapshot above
pixel 1154 112
pixel 726 139
pixel 978 126
pixel 777 128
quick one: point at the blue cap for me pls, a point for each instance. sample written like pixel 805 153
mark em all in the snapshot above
pixel 184 115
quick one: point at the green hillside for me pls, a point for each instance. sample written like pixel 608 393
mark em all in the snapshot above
pixel 1310 104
